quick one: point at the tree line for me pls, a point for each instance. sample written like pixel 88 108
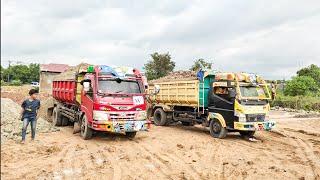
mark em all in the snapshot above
pixel 20 74
pixel 306 82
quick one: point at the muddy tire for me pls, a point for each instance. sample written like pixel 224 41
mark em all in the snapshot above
pixel 216 129
pixel 56 117
pixel 247 133
pixel 131 135
pixel 160 117
pixel 64 121
pixel 85 130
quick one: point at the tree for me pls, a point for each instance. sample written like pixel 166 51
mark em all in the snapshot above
pixel 160 65
pixel 34 70
pixel 20 72
pixel 199 63
pixel 312 71
pixel 301 85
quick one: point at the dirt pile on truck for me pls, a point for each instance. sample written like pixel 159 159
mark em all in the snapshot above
pixel 71 72
pixel 11 124
pixel 177 76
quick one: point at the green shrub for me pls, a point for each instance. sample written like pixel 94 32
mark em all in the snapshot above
pixel 298 102
pixel 301 85
pixel 15 83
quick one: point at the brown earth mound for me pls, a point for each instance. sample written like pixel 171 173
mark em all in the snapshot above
pixel 11 124
pixel 71 72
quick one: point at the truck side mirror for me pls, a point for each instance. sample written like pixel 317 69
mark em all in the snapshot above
pixel 86 86
pixel 156 89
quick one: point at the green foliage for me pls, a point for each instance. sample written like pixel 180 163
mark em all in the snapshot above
pixel 16 83
pixel 297 102
pixel 200 63
pixel 22 73
pixel 312 71
pixel 303 91
pixel 301 85
pixel 160 65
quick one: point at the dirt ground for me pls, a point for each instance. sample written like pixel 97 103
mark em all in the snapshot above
pixel 291 151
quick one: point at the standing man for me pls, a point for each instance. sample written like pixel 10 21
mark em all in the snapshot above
pixel 29 113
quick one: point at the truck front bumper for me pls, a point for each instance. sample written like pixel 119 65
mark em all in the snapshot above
pixel 254 126
pixel 121 126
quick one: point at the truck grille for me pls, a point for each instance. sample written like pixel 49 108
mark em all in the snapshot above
pixel 119 116
pixel 255 117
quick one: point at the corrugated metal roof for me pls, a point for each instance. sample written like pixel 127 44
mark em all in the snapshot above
pixel 54 67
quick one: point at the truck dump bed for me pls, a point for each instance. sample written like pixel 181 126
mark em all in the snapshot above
pixel 64 91
pixel 191 93
pixel 66 86
pixel 182 93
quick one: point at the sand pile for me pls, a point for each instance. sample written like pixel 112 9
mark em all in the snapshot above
pixel 45 104
pixel 177 76
pixel 11 124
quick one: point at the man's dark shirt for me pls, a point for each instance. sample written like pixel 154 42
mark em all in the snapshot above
pixel 30 108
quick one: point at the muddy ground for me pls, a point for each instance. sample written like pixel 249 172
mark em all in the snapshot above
pixel 291 151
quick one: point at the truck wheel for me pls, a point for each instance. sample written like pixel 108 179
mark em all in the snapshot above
pixel 56 117
pixel 159 117
pixel 216 129
pixel 247 133
pixel 86 131
pixel 65 121
pixel 131 135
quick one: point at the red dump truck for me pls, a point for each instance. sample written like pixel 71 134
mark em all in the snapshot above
pixel 100 98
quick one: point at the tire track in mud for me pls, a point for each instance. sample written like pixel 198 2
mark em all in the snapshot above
pixel 305 151
pixel 312 159
pixel 66 164
pixel 161 164
pixel 103 162
pixel 167 159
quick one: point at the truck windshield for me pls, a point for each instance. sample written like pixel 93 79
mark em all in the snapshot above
pixel 255 92
pixel 121 87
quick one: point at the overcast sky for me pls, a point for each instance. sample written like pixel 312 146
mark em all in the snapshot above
pixel 273 38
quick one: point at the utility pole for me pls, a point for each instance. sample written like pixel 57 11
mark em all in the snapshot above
pixel 9 70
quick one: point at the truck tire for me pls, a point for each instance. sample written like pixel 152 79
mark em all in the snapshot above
pixel 85 130
pixel 64 121
pixel 56 117
pixel 160 117
pixel 131 135
pixel 247 133
pixel 216 129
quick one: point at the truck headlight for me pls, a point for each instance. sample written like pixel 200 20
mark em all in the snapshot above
pixel 242 117
pixel 141 115
pixel 100 115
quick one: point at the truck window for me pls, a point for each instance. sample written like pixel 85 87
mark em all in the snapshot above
pixel 221 92
pixel 252 91
pixel 123 87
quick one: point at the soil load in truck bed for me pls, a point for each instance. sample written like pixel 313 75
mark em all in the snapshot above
pixel 176 76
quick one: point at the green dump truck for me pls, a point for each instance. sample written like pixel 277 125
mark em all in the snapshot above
pixel 223 102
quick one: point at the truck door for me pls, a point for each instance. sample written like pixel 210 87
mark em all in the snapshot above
pixel 87 101
pixel 219 102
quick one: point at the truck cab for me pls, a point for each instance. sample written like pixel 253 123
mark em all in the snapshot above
pixel 102 98
pixel 240 102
